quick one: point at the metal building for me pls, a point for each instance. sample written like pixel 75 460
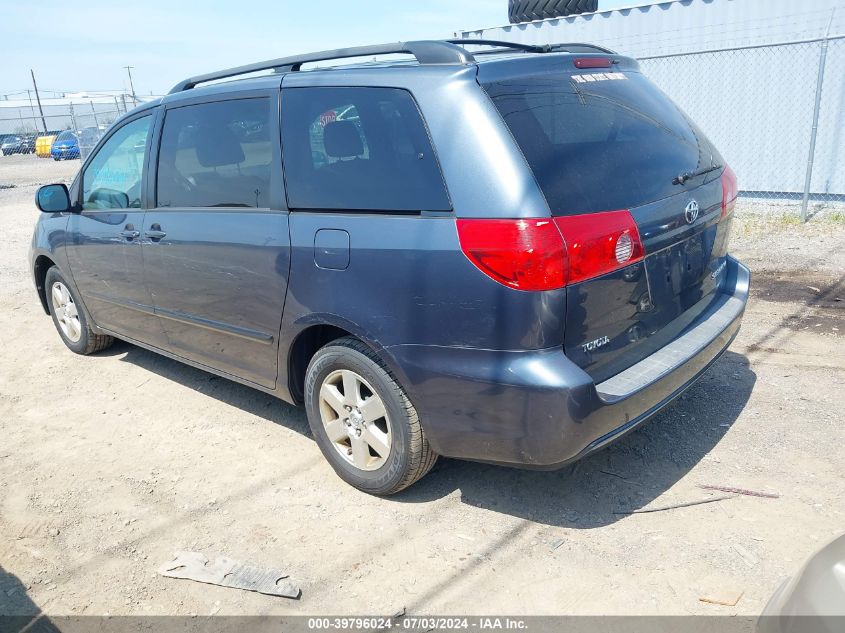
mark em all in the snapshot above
pixel 758 76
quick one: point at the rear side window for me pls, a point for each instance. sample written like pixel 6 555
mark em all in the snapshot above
pixel 358 149
pixel 600 141
pixel 216 155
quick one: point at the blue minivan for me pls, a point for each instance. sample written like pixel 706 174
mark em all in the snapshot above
pixel 505 253
pixel 65 146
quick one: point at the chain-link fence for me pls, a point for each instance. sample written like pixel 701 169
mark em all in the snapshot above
pixel 776 113
pixel 59 128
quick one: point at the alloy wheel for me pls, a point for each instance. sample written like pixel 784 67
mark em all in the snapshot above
pixel 355 420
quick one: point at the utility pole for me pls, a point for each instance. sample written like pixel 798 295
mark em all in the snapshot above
pixel 38 99
pixel 73 119
pixel 32 109
pixel 131 86
pixel 96 122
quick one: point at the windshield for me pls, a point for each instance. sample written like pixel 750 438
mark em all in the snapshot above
pixel 603 140
pixel 66 136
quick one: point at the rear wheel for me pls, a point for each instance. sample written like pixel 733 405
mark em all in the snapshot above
pixel 69 318
pixel 362 419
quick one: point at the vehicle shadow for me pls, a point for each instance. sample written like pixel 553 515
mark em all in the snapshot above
pixel 229 392
pixel 627 475
pixel 593 492
pixel 17 610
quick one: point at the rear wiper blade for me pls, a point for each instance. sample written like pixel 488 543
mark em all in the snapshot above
pixel 688 175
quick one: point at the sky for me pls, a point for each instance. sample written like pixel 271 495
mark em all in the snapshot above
pixel 84 46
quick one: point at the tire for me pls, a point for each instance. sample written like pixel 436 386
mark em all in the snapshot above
pixel 531 10
pixel 409 456
pixel 69 318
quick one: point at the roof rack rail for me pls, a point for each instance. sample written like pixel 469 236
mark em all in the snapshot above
pixel 425 51
pixel 571 47
pixel 531 48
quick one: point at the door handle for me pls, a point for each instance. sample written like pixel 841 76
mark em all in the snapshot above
pixel 155 233
pixel 129 232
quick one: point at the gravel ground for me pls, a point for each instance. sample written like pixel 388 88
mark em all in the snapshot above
pixel 109 464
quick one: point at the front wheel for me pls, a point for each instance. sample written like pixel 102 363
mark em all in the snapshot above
pixel 69 318
pixel 363 421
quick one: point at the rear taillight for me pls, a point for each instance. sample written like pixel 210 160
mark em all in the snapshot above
pixel 544 254
pixel 599 243
pixel 523 254
pixel 730 191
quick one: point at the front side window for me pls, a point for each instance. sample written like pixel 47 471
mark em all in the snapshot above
pixel 216 155
pixel 112 180
pixel 358 149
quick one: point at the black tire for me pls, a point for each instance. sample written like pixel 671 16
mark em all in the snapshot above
pixel 530 10
pixel 89 341
pixel 410 456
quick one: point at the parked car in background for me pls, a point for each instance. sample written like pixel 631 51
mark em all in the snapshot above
pixel 44 145
pixel 515 257
pixel 18 145
pixel 28 145
pixel 65 146
pixel 88 137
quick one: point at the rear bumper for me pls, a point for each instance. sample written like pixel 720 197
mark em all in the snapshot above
pixel 537 409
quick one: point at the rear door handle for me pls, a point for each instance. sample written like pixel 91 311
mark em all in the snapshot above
pixel 155 233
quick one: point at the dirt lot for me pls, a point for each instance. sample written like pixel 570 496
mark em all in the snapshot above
pixel 109 464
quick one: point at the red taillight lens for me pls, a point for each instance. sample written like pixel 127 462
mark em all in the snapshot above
pixel 523 254
pixel 544 254
pixel 593 62
pixel 599 243
pixel 730 191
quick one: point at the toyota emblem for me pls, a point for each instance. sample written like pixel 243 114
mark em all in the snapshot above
pixel 691 212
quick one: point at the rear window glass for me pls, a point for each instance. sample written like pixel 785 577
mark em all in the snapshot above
pixel 600 141
pixel 358 148
pixel 216 155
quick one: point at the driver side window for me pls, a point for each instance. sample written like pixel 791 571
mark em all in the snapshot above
pixel 112 180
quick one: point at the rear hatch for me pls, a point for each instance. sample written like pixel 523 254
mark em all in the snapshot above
pixel 602 140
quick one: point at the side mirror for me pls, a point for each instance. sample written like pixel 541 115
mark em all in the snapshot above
pixel 53 199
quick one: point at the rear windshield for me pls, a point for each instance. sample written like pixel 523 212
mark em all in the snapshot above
pixel 601 141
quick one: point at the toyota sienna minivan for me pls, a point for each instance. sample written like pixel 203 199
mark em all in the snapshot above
pixel 497 252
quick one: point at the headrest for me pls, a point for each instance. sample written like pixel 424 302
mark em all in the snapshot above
pixel 342 140
pixel 217 145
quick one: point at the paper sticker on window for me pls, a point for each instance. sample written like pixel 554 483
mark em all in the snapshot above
pixel 590 77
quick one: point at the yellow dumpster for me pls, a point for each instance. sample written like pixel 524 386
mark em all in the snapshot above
pixel 43 145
